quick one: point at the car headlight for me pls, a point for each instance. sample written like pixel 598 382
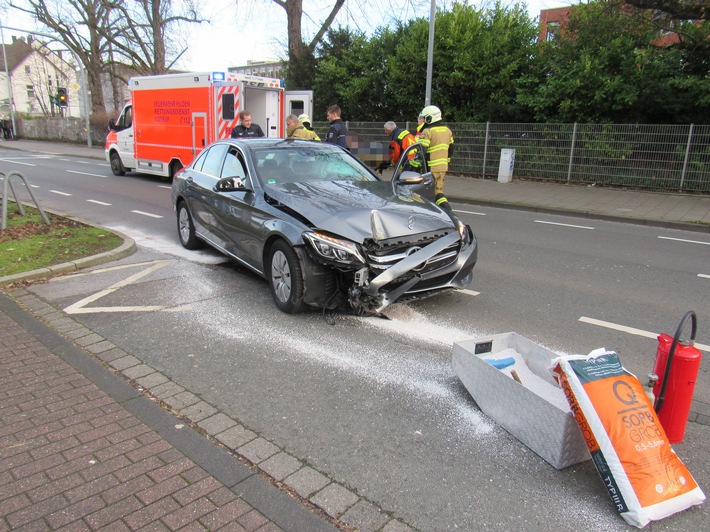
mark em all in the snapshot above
pixel 464 232
pixel 334 249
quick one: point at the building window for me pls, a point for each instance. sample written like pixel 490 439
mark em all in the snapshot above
pixel 28 71
pixel 30 91
pixel 552 29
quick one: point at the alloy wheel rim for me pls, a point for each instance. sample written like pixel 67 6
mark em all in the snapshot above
pixel 281 276
pixel 184 225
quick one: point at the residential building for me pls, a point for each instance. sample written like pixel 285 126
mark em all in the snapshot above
pixel 551 20
pixel 37 75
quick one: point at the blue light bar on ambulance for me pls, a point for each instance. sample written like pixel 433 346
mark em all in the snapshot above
pixel 218 76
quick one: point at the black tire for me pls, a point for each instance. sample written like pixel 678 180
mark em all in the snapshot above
pixel 116 164
pixel 285 277
pixel 186 229
pixel 175 167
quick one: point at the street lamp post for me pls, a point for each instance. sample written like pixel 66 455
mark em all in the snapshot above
pixel 430 54
pixel 82 80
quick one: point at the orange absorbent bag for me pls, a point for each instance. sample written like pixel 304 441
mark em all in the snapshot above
pixel 644 477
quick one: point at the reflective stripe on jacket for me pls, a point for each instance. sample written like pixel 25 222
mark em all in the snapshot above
pixel 437 140
pixel 401 140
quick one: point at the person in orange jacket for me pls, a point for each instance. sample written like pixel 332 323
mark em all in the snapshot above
pixel 400 140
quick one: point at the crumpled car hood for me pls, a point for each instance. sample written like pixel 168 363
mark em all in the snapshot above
pixel 361 210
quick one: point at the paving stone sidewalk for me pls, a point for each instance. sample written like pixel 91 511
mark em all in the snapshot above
pixel 75 455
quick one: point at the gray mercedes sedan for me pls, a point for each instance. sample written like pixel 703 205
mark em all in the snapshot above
pixel 320 226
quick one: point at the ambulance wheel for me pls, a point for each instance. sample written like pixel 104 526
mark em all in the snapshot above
pixel 116 165
pixel 175 167
pixel 186 229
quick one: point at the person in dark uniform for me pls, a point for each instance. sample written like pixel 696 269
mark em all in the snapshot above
pixel 337 132
pixel 246 129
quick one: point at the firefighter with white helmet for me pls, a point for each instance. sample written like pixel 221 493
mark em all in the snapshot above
pixel 439 143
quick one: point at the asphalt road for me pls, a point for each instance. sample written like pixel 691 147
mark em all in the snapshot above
pixel 374 403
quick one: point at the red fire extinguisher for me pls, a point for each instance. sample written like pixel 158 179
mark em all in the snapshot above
pixel 676 369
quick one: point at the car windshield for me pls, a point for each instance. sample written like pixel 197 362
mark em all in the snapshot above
pixel 297 164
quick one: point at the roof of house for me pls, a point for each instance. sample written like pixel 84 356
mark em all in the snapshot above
pixel 16 52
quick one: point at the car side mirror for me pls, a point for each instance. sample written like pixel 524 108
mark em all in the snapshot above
pixel 112 124
pixel 230 184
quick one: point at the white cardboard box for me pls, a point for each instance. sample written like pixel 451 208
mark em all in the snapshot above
pixel 534 420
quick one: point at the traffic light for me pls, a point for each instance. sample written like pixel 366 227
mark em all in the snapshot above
pixel 62 97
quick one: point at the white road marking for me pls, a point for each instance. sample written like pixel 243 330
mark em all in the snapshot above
pixel 684 240
pixel 60 193
pixel 165 186
pixel 17 162
pixel 704 276
pixel 471 212
pixel 147 214
pixel 563 225
pixel 99 202
pixel 80 306
pixel 85 173
pixel 469 292
pixel 631 330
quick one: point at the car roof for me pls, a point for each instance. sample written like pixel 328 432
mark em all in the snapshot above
pixel 279 143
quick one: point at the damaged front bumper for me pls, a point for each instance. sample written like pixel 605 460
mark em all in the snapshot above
pixel 374 295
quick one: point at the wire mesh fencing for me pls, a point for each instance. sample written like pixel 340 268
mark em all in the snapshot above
pixel 652 157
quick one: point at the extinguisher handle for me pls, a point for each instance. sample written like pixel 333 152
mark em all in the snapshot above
pixel 693 329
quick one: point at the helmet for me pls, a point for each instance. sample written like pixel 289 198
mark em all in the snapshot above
pixel 304 118
pixel 431 114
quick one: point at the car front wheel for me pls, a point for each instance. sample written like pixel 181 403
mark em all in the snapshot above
pixel 285 278
pixel 186 229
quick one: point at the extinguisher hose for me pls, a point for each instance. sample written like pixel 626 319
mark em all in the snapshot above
pixel 671 352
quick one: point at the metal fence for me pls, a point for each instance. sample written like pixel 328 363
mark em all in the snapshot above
pixel 652 157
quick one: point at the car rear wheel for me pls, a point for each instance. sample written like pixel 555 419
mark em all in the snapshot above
pixel 285 278
pixel 186 229
pixel 116 164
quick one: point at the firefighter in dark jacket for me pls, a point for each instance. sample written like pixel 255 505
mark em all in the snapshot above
pixel 438 141
pixel 246 129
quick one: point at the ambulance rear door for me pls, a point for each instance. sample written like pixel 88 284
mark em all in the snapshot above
pixel 228 97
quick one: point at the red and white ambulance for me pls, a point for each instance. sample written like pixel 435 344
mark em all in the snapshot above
pixel 171 118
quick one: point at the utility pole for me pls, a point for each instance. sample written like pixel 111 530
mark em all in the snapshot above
pixel 430 53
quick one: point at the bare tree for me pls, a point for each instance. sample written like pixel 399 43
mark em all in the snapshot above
pixel 76 24
pixel 298 51
pixel 145 33
pixel 104 32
